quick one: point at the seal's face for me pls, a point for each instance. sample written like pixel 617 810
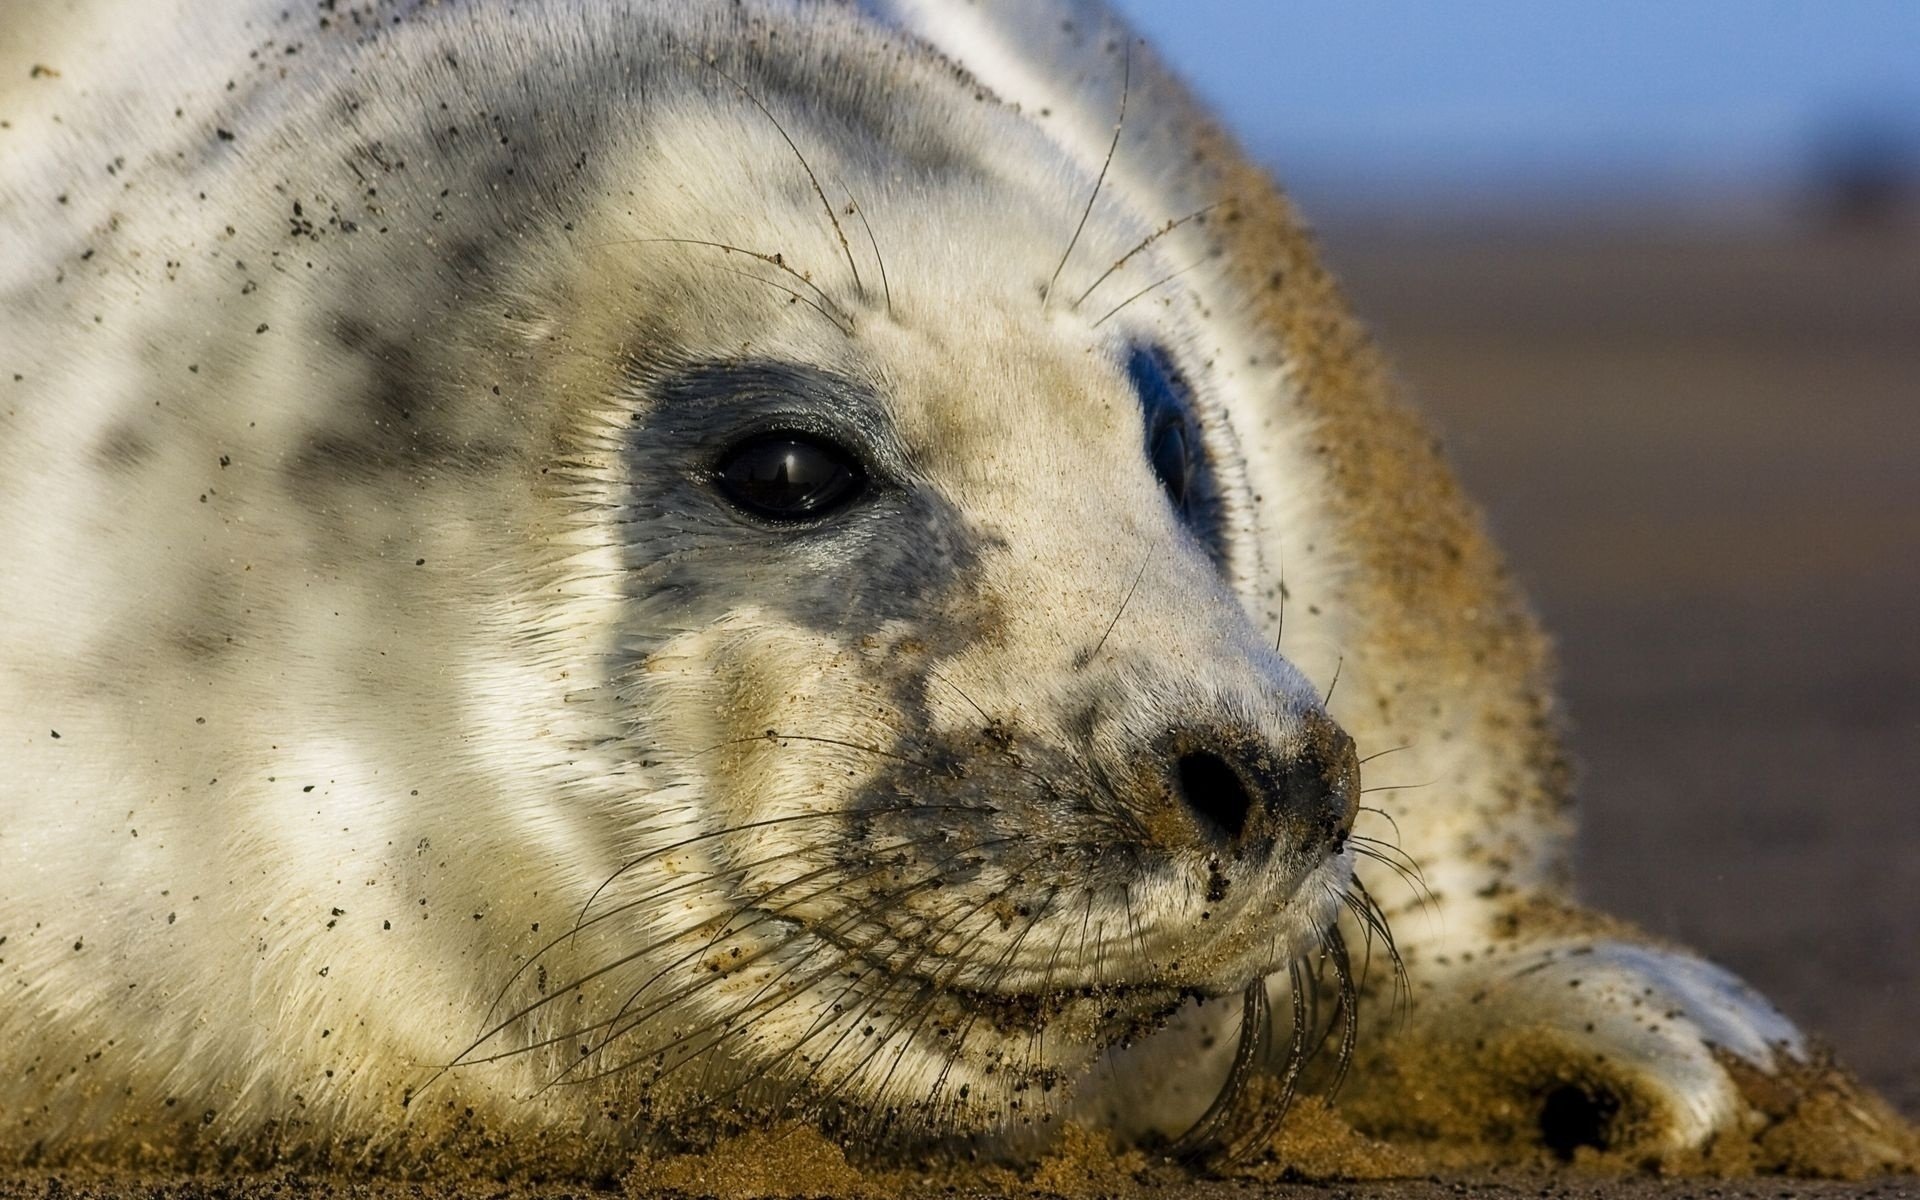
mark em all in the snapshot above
pixel 931 653
pixel 792 609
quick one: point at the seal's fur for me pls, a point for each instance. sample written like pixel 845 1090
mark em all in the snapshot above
pixel 391 707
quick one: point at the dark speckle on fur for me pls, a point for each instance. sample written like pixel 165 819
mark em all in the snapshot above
pixel 124 447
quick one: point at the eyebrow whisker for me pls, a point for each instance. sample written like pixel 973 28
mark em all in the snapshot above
pixel 1126 85
pixel 859 210
pixel 846 247
pixel 808 301
pixel 1149 240
pixel 845 320
pixel 1152 287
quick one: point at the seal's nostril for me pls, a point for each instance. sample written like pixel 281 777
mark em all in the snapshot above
pixel 1215 793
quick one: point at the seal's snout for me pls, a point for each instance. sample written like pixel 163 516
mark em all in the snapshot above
pixel 1238 792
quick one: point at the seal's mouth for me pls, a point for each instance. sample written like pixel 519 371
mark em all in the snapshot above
pixel 1263 1076
pixel 1023 982
pixel 1095 1014
pixel 1092 1013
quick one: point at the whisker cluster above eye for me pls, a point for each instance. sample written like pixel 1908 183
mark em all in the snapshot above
pixel 1119 127
pixel 845 246
pixel 828 307
pixel 1121 262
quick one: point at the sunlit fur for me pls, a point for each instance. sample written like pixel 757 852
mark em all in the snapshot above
pixel 426 767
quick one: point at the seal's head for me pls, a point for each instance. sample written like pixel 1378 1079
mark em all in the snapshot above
pixel 951 754
pixel 704 494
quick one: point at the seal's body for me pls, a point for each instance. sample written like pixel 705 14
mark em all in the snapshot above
pixel 576 568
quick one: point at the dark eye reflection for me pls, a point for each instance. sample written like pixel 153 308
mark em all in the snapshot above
pixel 787 476
pixel 1179 457
pixel 1172 456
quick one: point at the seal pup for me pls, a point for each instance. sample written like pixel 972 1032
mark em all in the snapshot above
pixel 581 571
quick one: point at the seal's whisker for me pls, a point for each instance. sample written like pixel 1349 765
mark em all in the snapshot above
pixel 931 932
pixel 1126 85
pixel 793 1091
pixel 1384 851
pixel 704 836
pixel 1397 787
pixel 1390 819
pixel 1149 240
pixel 930 998
pixel 932 879
pixel 1155 286
pixel 1294 1064
pixel 798 298
pixel 466 1057
pixel 828 1012
pixel 1133 923
pixel 1212 1131
pixel 1407 876
pixel 1280 625
pixel 859 210
pixel 1383 753
pixel 1349 1009
pixel 622 1022
pixel 1121 611
pixel 846 248
pixel 1037 1040
pixel 771 736
pixel 760 997
pixel 676 887
pixel 853 919
pixel 588 978
pixel 843 319
pixel 961 692
pixel 997 972
pixel 656 1053
pixel 1366 910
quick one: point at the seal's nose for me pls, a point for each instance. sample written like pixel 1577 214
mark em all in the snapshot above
pixel 1238 792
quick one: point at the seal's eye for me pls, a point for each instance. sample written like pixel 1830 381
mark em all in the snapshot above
pixel 1175 450
pixel 787 476
pixel 1172 457
pixel 1171 443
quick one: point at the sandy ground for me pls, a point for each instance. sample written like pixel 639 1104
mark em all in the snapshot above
pixel 1517 1187
pixel 1703 454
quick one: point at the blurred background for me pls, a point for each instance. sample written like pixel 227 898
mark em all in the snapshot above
pixel 1653 269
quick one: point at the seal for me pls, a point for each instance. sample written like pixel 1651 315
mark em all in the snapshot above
pixel 584 573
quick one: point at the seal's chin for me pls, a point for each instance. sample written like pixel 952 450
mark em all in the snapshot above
pixel 957 1037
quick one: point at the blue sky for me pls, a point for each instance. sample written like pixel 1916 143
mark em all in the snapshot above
pixel 1656 96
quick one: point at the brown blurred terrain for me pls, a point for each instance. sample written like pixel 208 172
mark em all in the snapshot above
pixel 1701 452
